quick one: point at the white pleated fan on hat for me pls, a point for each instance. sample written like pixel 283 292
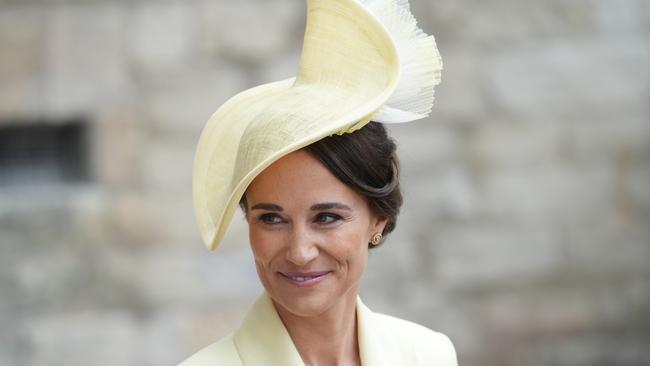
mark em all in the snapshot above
pixel 420 63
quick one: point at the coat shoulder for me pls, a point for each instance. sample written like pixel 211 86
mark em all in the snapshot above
pixel 423 345
pixel 222 352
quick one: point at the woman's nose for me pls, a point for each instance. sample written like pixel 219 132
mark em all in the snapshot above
pixel 302 247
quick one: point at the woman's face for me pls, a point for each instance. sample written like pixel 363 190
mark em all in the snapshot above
pixel 309 234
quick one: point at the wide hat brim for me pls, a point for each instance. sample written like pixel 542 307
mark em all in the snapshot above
pixel 349 67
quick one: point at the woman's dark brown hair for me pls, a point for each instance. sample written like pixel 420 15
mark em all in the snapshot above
pixel 365 160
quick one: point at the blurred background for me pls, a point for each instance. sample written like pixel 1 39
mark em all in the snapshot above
pixel 525 231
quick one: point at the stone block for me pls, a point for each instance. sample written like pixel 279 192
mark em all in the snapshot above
pixel 184 104
pixel 460 97
pixel 391 265
pixel 521 313
pixel 205 326
pixel 20 98
pixel 435 178
pixel 187 275
pixel 554 192
pixel 51 217
pixel 488 254
pixel 170 335
pixel 22 34
pixel 447 193
pixel 279 67
pixel 504 23
pixel 427 146
pixel 579 80
pixel 608 250
pixel 162 37
pixel 609 135
pixel 163 334
pixel 98 338
pixel 166 165
pixel 636 185
pixel 38 274
pixel 116 144
pixel 621 18
pixel 142 221
pixel 249 30
pixel 149 220
pixel 85 64
pixel 599 347
pixel 498 144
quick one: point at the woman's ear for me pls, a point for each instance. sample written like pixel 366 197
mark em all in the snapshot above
pixel 379 224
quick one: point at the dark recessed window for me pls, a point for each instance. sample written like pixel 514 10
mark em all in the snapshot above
pixel 42 153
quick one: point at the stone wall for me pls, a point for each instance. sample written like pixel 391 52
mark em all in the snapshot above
pixel 524 234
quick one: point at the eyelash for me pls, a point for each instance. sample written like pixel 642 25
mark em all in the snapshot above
pixel 334 217
pixel 268 217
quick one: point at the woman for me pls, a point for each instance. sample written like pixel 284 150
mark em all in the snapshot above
pixel 319 185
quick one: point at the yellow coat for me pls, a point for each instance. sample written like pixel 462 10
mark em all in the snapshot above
pixel 262 339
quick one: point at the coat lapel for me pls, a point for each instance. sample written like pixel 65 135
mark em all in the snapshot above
pixel 263 340
pixel 373 349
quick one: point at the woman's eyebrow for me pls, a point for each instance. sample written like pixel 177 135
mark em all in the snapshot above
pixel 329 206
pixel 267 207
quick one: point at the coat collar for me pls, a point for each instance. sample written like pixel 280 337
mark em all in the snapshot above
pixel 263 340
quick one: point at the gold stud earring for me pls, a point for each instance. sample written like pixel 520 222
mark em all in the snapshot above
pixel 376 239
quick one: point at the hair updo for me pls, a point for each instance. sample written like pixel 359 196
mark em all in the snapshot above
pixel 364 160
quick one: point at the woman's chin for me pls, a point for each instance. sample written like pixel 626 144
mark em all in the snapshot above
pixel 304 305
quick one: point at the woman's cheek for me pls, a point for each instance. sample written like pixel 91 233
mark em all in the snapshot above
pixel 266 244
pixel 263 244
pixel 346 246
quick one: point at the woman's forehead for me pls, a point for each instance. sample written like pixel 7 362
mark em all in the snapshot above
pixel 299 178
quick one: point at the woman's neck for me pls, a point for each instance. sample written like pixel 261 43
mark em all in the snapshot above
pixel 329 338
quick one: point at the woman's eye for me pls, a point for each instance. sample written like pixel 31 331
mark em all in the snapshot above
pixel 270 218
pixel 327 218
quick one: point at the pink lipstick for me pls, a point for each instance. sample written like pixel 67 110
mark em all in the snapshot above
pixel 304 279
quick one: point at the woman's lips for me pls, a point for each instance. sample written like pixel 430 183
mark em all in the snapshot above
pixel 304 279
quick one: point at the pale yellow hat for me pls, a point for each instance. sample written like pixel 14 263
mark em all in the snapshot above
pixel 361 60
